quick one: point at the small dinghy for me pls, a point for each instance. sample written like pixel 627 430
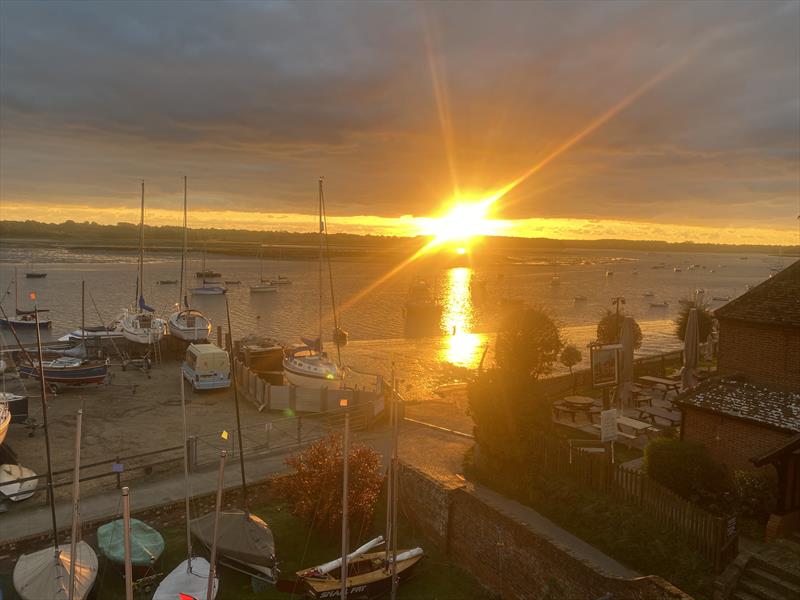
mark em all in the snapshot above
pixel 147 545
pixel 245 542
pixel 184 581
pixel 9 486
pixel 45 575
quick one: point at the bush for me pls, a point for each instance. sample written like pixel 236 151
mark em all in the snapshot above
pixel 755 493
pixel 684 467
pixel 314 490
pixel 505 409
pixel 570 356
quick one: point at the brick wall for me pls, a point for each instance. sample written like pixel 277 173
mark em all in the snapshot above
pixel 732 442
pixel 767 355
pixel 506 556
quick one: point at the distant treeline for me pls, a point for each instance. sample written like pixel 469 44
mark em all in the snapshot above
pixel 239 241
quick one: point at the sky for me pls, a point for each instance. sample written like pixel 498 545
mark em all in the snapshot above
pixel 641 120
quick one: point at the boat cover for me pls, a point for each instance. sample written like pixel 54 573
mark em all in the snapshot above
pixel 43 576
pixel 242 536
pixel 146 543
pixel 181 581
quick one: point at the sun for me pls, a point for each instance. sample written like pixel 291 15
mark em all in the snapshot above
pixel 460 225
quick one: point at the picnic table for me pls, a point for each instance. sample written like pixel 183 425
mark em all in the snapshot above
pixel 651 412
pixel 653 382
pixel 633 424
pixel 575 405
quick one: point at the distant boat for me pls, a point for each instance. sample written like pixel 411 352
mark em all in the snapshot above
pixel 721 298
pixel 232 282
pixel 648 294
pixel 280 280
pixel 263 286
pixel 609 273
pixel 676 269
pixel 24 319
pixel 93 332
pixel 657 267
pixel 635 273
pixel 420 304
pixel 209 290
pixel 35 275
pixel 659 304
pixel 555 280
pixel 208 273
pixel 580 298
pixel 167 281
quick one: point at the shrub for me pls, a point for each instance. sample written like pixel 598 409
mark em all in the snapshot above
pixel 755 492
pixel 609 326
pixel 505 409
pixel 570 356
pixel 684 467
pixel 314 489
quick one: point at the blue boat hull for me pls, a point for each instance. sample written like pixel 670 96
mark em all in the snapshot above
pixel 17 324
pixel 70 376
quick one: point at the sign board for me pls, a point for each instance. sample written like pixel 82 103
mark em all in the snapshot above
pixel 608 425
pixel 605 368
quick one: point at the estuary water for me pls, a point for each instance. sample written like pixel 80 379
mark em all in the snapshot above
pixel 370 303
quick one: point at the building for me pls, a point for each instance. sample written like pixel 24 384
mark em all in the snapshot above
pixel 759 332
pixel 748 416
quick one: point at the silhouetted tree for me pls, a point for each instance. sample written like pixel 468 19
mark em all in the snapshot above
pixel 608 329
pixel 705 319
pixel 528 343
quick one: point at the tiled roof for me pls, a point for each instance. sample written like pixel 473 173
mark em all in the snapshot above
pixel 776 300
pixel 746 401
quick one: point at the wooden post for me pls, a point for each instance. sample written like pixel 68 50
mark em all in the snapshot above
pixel 219 336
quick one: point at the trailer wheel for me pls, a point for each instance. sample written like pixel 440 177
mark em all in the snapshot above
pixel 53 387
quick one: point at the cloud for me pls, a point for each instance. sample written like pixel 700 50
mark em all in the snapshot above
pixel 255 100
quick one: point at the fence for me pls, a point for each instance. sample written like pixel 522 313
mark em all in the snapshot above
pixel 272 436
pixel 265 396
pixel 714 536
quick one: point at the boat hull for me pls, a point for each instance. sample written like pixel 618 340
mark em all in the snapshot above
pixel 142 328
pixel 38 575
pixel 82 375
pixel 208 291
pixel 10 485
pixel 367 586
pixel 189 326
pixel 181 581
pixel 25 324
pixel 300 378
pixel 5 421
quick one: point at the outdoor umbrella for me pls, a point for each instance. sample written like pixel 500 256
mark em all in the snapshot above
pixel 691 350
pixel 625 387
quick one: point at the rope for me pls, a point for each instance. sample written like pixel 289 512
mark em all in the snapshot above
pixel 102 321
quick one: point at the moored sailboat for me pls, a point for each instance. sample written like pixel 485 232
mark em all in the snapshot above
pixel 308 365
pixel 263 286
pixel 188 324
pixel 23 319
pixel 138 323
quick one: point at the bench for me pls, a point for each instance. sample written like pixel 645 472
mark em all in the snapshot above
pixel 651 412
pixel 619 433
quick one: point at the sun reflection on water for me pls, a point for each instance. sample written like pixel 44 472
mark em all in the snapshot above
pixel 462 347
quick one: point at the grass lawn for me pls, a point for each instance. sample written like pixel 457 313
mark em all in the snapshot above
pixel 298 547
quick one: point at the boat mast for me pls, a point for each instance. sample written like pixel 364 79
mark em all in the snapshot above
pixel 140 280
pixel 76 491
pixel 46 430
pixel 186 478
pixel 83 316
pixel 185 244
pixel 16 293
pixel 236 405
pixel 345 486
pixel 126 539
pixel 213 559
pixel 395 483
pixel 321 247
